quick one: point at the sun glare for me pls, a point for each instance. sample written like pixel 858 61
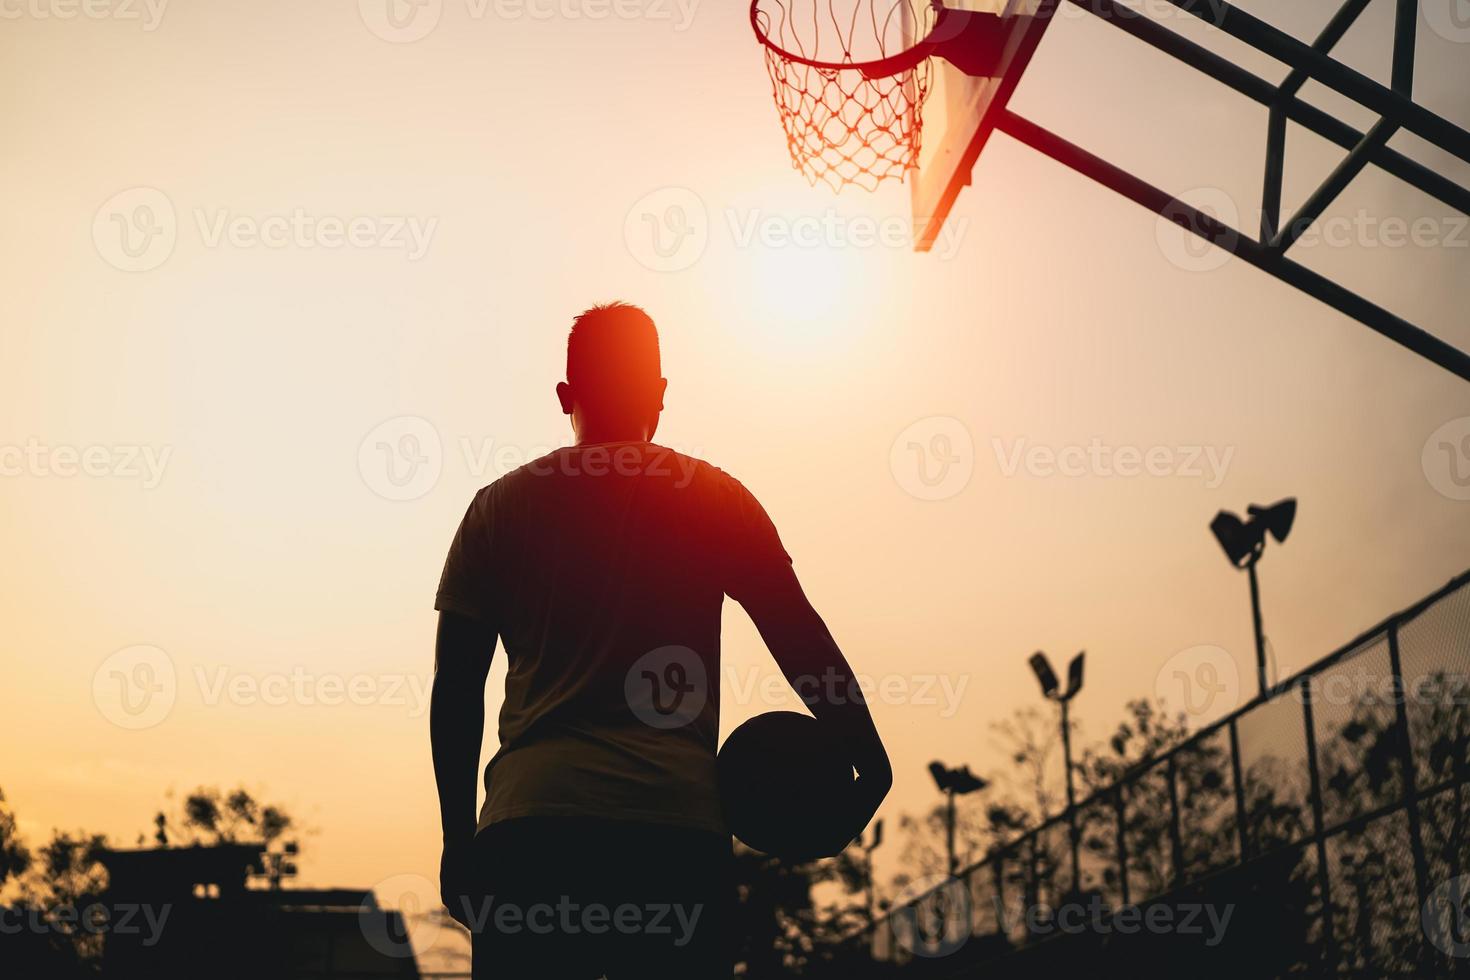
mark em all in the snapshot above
pixel 807 294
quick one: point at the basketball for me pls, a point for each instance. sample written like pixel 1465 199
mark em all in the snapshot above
pixel 786 786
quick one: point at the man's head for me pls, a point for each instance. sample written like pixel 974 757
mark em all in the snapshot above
pixel 613 389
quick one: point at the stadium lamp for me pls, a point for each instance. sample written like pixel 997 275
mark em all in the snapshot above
pixel 952 783
pixel 1052 691
pixel 1243 543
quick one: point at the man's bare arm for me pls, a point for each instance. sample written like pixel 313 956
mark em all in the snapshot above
pixel 819 673
pixel 462 653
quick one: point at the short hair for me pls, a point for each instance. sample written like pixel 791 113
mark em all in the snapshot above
pixel 611 345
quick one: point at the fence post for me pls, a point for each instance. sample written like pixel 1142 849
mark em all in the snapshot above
pixel 1120 805
pixel 1324 884
pixel 1176 839
pixel 1410 775
pixel 1242 835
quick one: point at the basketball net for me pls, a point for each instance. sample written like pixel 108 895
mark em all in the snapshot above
pixel 850 104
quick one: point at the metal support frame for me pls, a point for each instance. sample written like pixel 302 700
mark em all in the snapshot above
pixel 1307 62
pixel 1211 229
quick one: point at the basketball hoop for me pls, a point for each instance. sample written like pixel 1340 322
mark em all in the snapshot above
pixel 850 78
pixel 849 83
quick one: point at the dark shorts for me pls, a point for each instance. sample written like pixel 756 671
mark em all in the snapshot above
pixel 565 898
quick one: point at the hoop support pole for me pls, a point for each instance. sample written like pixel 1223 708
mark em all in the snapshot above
pixel 1221 235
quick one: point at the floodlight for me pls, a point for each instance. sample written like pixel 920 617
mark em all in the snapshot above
pixel 1244 541
pixel 1044 674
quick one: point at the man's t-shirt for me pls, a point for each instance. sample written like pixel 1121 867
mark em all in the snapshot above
pixel 603 568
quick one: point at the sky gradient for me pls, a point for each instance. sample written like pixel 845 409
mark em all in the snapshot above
pixel 376 239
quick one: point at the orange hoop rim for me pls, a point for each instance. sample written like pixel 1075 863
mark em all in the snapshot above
pixel 893 64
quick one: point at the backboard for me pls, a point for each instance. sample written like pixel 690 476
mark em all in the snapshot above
pixel 961 112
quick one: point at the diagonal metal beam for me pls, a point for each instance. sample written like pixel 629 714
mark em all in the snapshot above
pixel 1341 21
pixel 1405 23
pixel 1405 30
pixel 1330 72
pixel 1258 89
pixel 1336 182
pixel 1339 25
pixel 1222 235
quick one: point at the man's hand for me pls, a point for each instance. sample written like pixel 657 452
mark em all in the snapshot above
pixel 456 879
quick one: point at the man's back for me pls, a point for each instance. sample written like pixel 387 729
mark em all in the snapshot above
pixel 604 568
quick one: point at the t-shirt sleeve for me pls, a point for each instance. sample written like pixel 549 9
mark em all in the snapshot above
pixel 753 550
pixel 467 585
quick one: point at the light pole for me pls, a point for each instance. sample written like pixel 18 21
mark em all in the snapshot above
pixel 1053 692
pixel 952 783
pixel 1244 541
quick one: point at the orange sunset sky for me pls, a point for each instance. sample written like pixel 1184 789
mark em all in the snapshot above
pixel 343 236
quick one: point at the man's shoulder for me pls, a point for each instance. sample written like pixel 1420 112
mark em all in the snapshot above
pixel 696 470
pixel 648 459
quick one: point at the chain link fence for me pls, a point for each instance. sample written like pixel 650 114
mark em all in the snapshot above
pixel 1319 831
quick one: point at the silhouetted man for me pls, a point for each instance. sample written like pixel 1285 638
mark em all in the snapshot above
pixel 600 848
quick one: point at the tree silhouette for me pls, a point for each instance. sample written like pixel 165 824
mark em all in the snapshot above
pixel 211 816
